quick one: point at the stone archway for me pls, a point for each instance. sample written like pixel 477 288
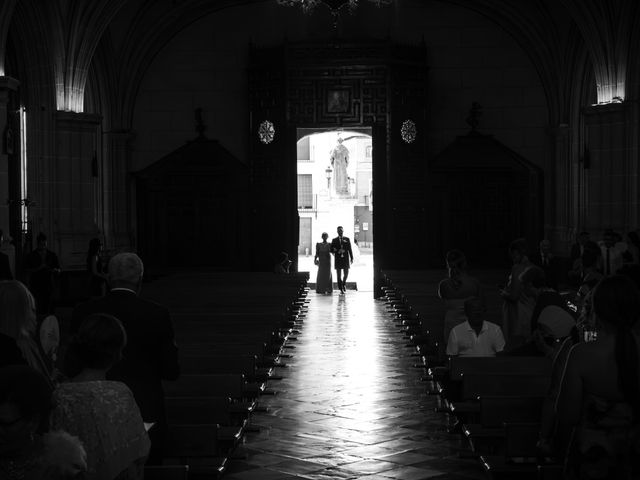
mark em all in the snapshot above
pixel 374 84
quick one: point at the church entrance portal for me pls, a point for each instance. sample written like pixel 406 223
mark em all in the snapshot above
pixel 334 187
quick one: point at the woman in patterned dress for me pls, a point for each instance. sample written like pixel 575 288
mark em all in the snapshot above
pixel 103 414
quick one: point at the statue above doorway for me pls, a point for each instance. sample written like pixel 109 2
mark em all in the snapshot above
pixel 340 162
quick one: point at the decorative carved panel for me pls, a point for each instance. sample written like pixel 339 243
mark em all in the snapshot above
pixel 484 195
pixel 341 85
pixel 313 90
pixel 195 196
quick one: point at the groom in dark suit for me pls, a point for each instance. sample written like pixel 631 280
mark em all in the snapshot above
pixel 343 258
pixel 151 354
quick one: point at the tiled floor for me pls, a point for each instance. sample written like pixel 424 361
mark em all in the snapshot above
pixel 350 405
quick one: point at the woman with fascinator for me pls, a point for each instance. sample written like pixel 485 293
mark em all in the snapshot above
pixel 455 289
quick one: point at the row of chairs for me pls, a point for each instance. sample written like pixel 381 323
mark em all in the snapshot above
pixel 494 402
pixel 232 330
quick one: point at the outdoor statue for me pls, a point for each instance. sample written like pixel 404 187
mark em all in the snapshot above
pixel 340 162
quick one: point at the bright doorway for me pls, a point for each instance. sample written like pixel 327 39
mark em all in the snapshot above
pixel 333 192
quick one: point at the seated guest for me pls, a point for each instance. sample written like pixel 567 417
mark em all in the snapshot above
pixel 475 337
pixel 548 262
pixel 18 322
pixel 282 264
pixel 633 248
pixel 97 277
pixel 590 275
pixel 518 306
pixel 549 305
pixel 455 289
pixel 599 395
pixel 551 321
pixel 591 249
pixel 102 414
pixel 577 249
pixel 28 450
pixel 43 269
pixel 553 441
pixel 151 354
pixel 613 252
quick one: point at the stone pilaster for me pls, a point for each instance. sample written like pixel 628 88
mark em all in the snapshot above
pixel 118 212
pixel 561 226
pixel 8 85
pixel 77 201
pixel 612 173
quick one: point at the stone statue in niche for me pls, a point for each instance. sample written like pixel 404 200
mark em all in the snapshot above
pixel 340 162
pixel 200 126
pixel 475 112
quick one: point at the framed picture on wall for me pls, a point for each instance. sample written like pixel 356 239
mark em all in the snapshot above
pixel 338 101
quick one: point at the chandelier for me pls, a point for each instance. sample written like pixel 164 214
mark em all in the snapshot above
pixel 334 6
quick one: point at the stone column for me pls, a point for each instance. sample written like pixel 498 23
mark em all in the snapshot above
pixel 8 85
pixel 117 192
pixel 561 226
pixel 612 176
pixel 75 186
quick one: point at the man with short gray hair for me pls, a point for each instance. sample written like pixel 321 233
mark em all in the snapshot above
pixel 125 271
pixel 150 355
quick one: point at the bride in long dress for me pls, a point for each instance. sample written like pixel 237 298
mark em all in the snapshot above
pixel 324 280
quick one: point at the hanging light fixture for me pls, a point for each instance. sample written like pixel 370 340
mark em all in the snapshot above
pixel 334 6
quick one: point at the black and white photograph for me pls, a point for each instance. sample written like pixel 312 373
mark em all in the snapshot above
pixel 194 281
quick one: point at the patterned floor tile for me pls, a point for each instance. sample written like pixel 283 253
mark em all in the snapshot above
pixel 350 406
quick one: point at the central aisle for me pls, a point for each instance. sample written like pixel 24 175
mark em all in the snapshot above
pixel 350 405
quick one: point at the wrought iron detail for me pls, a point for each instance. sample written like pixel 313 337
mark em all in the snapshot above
pixel 266 132
pixel 408 131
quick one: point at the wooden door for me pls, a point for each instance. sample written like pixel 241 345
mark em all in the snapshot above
pixel 484 216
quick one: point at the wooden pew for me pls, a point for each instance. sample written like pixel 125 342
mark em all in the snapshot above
pixel 208 410
pixel 227 385
pixel 487 436
pixel 459 366
pixel 166 472
pixel 198 447
pixel 520 457
pixel 220 332
pixel 481 385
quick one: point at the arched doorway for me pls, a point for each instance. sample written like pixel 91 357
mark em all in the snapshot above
pixel 332 194
pixel 375 85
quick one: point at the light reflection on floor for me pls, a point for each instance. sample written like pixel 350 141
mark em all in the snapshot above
pixel 350 405
pixel 360 273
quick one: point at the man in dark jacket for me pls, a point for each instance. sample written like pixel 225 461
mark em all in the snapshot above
pixel 42 268
pixel 150 355
pixel 343 258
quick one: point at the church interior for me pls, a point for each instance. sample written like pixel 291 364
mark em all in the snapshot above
pixel 212 137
